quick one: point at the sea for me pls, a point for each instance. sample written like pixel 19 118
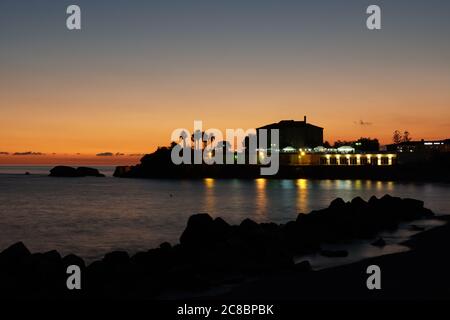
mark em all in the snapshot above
pixel 92 216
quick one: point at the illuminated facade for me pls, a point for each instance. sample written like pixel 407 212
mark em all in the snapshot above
pixel 337 159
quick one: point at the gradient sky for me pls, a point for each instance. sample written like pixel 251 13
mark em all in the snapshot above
pixel 139 69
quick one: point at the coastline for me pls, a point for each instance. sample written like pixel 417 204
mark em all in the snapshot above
pixel 213 254
pixel 420 274
pixel 401 173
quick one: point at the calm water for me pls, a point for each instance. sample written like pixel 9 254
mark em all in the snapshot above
pixel 91 216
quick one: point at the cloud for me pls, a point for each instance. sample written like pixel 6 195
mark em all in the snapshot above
pixel 105 154
pixel 136 154
pixel 362 123
pixel 28 153
pixel 3 153
pixel 118 154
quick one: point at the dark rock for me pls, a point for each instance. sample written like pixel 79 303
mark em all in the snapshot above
pixel 52 256
pixel 211 251
pixel 48 263
pixel 221 228
pixel 358 203
pixel 63 171
pixel 96 269
pixel 15 253
pixel 121 171
pixel 373 201
pixel 248 225
pixel 427 213
pixel 379 242
pixel 301 217
pixel 337 204
pixel 334 253
pixel 72 259
pixel 413 204
pixel 165 246
pixel 277 257
pixel 200 231
pixel 116 258
pixel 303 266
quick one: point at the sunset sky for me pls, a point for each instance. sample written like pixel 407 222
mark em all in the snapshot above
pixel 139 69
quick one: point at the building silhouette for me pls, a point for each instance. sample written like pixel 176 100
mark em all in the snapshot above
pixel 294 135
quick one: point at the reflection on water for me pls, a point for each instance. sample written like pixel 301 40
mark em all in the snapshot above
pixel 302 195
pixel 90 216
pixel 261 197
pixel 210 198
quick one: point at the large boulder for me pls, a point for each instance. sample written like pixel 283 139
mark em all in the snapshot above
pixel 337 204
pixel 63 171
pixel 116 258
pixel 203 231
pixel 72 259
pixel 66 171
pixel 14 255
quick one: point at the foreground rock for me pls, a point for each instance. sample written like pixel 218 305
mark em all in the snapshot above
pixel 334 253
pixel 419 275
pixel 211 253
pixel 380 242
pixel 65 171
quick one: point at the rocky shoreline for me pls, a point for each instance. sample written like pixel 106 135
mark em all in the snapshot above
pixel 418 275
pixel 211 253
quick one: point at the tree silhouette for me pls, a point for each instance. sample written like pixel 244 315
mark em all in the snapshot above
pixel 406 136
pixel 397 137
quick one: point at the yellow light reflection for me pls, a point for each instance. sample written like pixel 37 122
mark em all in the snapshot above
pixel 210 199
pixel 379 185
pixel 209 182
pixel 261 196
pixel 302 195
pixel 390 186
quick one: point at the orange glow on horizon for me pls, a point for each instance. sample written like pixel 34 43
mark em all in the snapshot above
pixel 70 160
pixel 137 121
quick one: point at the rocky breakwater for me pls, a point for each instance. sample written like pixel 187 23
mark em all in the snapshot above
pixel 65 171
pixel 211 253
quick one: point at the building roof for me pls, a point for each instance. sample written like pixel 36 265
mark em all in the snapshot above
pixel 289 124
